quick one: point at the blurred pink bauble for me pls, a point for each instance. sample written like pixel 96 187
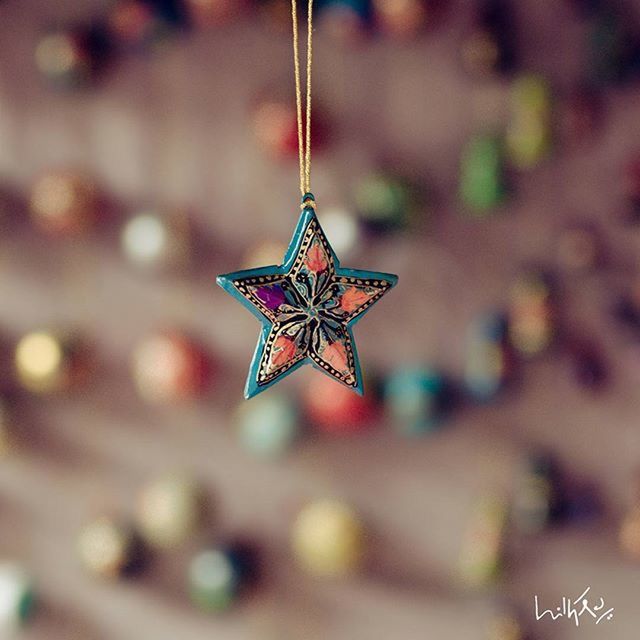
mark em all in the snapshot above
pixel 169 367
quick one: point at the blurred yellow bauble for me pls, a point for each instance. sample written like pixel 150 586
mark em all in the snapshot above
pixel 169 510
pixel 328 538
pixel 63 203
pixel 105 547
pixel 42 363
pixel 630 534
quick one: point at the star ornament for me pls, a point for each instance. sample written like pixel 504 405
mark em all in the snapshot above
pixel 308 306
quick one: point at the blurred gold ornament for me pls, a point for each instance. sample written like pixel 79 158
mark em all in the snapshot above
pixel 205 13
pixel 264 252
pixel 105 547
pixel 47 363
pixel 532 314
pixel 63 203
pixel 401 18
pixel 169 510
pixel 5 430
pixel 328 538
pixel 505 627
pixel 168 367
pixel 630 534
pixel 481 557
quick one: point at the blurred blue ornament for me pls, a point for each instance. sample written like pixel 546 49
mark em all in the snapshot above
pixel 417 399
pixel 385 201
pixel 218 575
pixel 268 424
pixel 488 358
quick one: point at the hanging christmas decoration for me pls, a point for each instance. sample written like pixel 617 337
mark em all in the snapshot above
pixel 308 305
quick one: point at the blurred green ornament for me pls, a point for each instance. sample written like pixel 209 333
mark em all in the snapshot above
pixel 217 576
pixel 169 510
pixel 385 202
pixel 417 399
pixel 482 185
pixel 267 424
pixel 17 598
pixel 528 136
pixel 481 558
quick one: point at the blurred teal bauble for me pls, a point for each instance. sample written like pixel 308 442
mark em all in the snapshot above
pixel 268 424
pixel 417 399
pixel 217 575
pixel 16 598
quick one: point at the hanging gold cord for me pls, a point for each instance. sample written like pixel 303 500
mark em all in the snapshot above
pixel 304 148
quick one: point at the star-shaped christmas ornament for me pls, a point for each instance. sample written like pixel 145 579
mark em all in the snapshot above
pixel 307 306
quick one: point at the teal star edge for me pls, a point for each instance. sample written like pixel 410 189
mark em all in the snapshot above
pixel 227 282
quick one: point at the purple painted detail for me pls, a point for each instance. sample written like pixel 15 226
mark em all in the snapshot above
pixel 271 296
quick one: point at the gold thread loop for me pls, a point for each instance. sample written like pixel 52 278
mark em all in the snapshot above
pixel 304 139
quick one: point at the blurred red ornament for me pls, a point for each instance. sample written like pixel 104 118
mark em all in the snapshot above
pixel 277 13
pixel 333 408
pixel 207 13
pixel 169 367
pixel 139 23
pixel 64 203
pixel 275 127
pixel 401 18
pixel 580 115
